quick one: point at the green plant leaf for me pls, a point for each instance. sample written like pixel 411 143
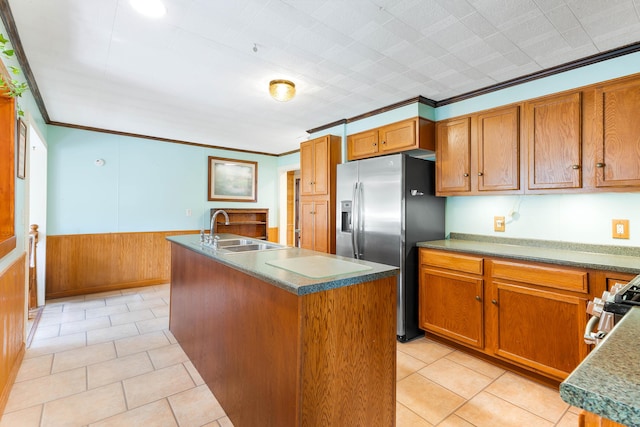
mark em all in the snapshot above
pixel 8 52
pixel 3 39
pixel 14 70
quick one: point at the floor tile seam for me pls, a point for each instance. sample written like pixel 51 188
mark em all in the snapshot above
pixel 471 369
pixel 87 365
pixel 452 391
pixel 408 409
pixel 194 385
pixel 524 409
pixel 60 397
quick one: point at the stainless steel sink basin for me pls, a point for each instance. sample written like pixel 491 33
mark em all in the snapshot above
pixel 234 242
pixel 251 247
pixel 245 245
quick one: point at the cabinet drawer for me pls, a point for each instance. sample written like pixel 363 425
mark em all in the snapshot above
pixel 553 277
pixel 458 262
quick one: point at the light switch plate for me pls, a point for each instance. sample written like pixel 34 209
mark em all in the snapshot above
pixel 620 228
pixel 498 223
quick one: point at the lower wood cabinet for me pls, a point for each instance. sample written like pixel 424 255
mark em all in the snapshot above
pixel 530 315
pixel 451 301
pixel 315 226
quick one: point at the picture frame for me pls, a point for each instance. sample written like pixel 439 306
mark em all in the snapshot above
pixel 22 149
pixel 232 180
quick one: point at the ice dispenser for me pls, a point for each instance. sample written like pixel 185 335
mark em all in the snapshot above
pixel 345 210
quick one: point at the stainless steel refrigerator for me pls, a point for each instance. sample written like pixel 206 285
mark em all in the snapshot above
pixel 384 206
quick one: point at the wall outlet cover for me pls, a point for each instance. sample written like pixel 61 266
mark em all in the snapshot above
pixel 620 228
pixel 498 223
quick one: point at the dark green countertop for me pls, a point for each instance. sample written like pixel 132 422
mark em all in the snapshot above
pixel 601 257
pixel 256 264
pixel 607 382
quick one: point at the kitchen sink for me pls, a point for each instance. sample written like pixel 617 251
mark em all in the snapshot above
pixel 234 242
pixel 245 245
pixel 251 247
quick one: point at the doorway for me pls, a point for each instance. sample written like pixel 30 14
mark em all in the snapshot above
pixel 37 184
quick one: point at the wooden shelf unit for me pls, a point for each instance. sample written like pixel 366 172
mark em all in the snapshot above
pixel 244 222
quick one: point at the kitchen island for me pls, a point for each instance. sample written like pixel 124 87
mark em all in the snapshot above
pixel 286 336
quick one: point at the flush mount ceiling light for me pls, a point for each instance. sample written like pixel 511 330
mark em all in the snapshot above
pixel 149 8
pixel 282 90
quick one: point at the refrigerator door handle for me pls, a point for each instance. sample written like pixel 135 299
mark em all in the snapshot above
pixel 354 222
pixel 360 236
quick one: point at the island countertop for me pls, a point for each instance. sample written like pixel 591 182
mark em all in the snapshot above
pixel 607 382
pixel 258 264
pixel 601 257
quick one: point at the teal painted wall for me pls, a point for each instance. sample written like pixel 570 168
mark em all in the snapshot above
pixel 31 116
pixel 144 185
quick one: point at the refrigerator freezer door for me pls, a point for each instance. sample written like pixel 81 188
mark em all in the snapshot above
pixel 381 208
pixel 347 177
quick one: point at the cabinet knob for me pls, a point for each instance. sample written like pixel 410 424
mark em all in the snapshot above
pixel 494 302
pixel 384 142
pixel 575 166
pixel 375 143
pixel 480 174
pixel 599 165
pixel 465 175
pixel 478 298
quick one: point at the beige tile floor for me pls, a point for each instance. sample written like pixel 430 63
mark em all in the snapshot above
pixel 109 360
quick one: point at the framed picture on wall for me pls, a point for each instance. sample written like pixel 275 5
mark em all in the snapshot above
pixel 22 148
pixel 232 180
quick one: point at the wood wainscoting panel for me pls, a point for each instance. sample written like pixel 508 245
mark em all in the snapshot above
pixel 12 317
pixel 88 263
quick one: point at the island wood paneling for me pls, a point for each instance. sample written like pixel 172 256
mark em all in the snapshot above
pixel 87 263
pixel 12 316
pixel 273 358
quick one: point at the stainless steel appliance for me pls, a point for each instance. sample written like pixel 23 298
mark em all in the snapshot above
pixel 607 311
pixel 385 205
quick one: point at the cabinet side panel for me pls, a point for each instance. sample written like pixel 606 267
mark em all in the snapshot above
pixel 241 335
pixel 349 355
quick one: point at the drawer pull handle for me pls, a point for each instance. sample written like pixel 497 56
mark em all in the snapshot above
pixel 599 165
pixel 575 167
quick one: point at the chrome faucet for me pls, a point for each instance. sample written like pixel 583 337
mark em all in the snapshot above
pixel 212 238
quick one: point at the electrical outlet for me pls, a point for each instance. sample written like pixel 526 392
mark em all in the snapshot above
pixel 188 212
pixel 620 228
pixel 498 223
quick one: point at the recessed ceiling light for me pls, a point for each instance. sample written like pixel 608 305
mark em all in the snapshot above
pixel 149 8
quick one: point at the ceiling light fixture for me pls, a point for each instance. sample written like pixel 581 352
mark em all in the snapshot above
pixel 282 90
pixel 149 8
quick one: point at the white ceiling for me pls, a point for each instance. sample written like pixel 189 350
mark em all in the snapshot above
pixel 194 76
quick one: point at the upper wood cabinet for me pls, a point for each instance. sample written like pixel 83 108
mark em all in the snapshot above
pixel 318 158
pixel 617 134
pixel 416 133
pixel 453 156
pixel 554 142
pixel 479 154
pixel 499 149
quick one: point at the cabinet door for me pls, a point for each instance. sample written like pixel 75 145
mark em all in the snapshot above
pixel 618 135
pixel 539 329
pixel 398 136
pixel 321 226
pixel 321 166
pixel 499 150
pixel 554 140
pixel 453 154
pixel 361 145
pixel 306 224
pixel 307 167
pixel 451 305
